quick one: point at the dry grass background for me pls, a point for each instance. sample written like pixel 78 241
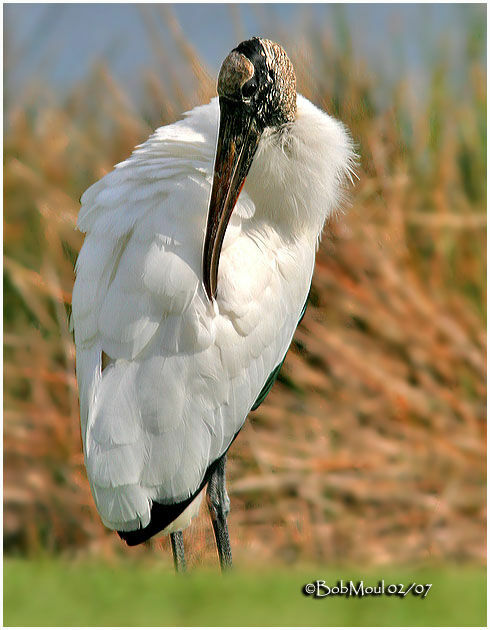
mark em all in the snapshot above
pixel 371 447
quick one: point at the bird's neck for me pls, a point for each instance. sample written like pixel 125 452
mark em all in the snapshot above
pixel 298 175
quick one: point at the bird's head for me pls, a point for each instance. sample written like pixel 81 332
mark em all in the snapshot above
pixel 258 79
pixel 257 90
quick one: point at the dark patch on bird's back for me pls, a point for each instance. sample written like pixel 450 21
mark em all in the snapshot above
pixel 275 372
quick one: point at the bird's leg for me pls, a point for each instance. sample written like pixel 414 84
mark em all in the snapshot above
pixel 219 508
pixel 177 540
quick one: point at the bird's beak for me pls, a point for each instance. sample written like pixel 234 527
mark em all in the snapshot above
pixel 238 139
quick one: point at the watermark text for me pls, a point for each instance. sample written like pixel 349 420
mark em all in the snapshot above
pixel 350 588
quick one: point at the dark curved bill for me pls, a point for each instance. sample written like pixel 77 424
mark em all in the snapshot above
pixel 238 139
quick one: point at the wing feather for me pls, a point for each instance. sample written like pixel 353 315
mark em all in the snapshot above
pixel 183 373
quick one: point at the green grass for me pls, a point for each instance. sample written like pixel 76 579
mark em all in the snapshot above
pixel 58 593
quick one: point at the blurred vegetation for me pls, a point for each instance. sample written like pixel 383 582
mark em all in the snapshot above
pixel 87 594
pixel 371 448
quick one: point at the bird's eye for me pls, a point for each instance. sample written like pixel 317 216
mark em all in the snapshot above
pixel 249 88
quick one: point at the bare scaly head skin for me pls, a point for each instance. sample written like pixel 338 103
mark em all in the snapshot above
pixel 285 78
pixel 259 75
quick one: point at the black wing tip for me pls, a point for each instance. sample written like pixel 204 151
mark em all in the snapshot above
pixel 162 515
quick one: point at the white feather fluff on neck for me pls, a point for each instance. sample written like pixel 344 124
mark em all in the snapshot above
pixel 299 173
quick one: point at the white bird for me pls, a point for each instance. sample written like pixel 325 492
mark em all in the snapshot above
pixel 173 351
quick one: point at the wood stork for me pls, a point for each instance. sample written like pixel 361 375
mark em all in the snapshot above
pixel 190 284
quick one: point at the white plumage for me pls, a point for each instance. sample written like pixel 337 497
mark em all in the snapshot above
pixel 183 371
